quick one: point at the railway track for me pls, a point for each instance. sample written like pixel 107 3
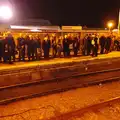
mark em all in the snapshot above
pixel 39 88
pixel 73 114
pixel 80 112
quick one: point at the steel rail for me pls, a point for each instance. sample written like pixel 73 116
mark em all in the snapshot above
pixel 85 109
pixel 58 79
pixel 58 90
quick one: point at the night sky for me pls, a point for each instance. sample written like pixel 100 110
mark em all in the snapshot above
pixel 92 13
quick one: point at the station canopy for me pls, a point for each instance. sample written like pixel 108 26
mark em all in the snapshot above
pixel 31 22
pixel 29 25
pixel 35 28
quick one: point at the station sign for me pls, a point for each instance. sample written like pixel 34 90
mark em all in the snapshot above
pixel 54 28
pixel 71 27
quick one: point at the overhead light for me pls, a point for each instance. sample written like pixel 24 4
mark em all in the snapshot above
pixel 5 12
pixel 23 27
pixel 35 30
pixel 18 27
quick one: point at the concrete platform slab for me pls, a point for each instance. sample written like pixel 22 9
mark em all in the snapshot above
pixel 24 72
pixel 18 65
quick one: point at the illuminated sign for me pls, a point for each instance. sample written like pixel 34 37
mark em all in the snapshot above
pixel 71 27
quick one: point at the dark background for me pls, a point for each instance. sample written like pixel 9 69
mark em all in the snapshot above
pixel 92 13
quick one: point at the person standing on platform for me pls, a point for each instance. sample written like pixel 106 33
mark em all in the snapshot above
pixel 108 44
pixel 59 46
pixel 70 44
pixel 46 47
pixel 21 47
pixel 96 46
pixel 75 46
pixel 116 44
pixel 11 47
pixel 49 46
pixel 32 48
pixel 39 51
pixel 78 37
pixel 89 45
pixel 54 46
pixel 29 46
pixel 102 44
pixel 84 47
pixel 93 46
pixel 65 46
pixel 5 50
pixel 1 48
pixel 34 52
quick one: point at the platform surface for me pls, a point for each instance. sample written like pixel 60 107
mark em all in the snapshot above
pixel 57 61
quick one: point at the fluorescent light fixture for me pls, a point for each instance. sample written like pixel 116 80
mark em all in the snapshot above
pixel 23 27
pixel 35 30
pixel 18 27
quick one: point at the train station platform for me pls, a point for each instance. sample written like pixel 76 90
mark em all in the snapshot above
pixel 57 61
pixel 28 72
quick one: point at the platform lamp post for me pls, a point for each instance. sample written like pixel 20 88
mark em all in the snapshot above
pixel 110 26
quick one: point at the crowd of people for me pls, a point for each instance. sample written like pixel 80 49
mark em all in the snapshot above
pixel 31 48
pixel 104 44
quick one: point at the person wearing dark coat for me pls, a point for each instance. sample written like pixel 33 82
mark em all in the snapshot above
pixel 49 46
pixel 28 42
pixel 108 44
pixel 35 46
pixel 89 46
pixel 10 47
pixel 102 44
pixel 70 42
pixel 116 44
pixel 65 47
pixel 95 46
pixel 59 47
pixel 31 49
pixel 84 47
pixel 46 47
pixel 38 44
pixel 75 46
pixel 54 46
pixel 21 48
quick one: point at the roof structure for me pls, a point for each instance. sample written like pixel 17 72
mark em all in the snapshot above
pixel 32 22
